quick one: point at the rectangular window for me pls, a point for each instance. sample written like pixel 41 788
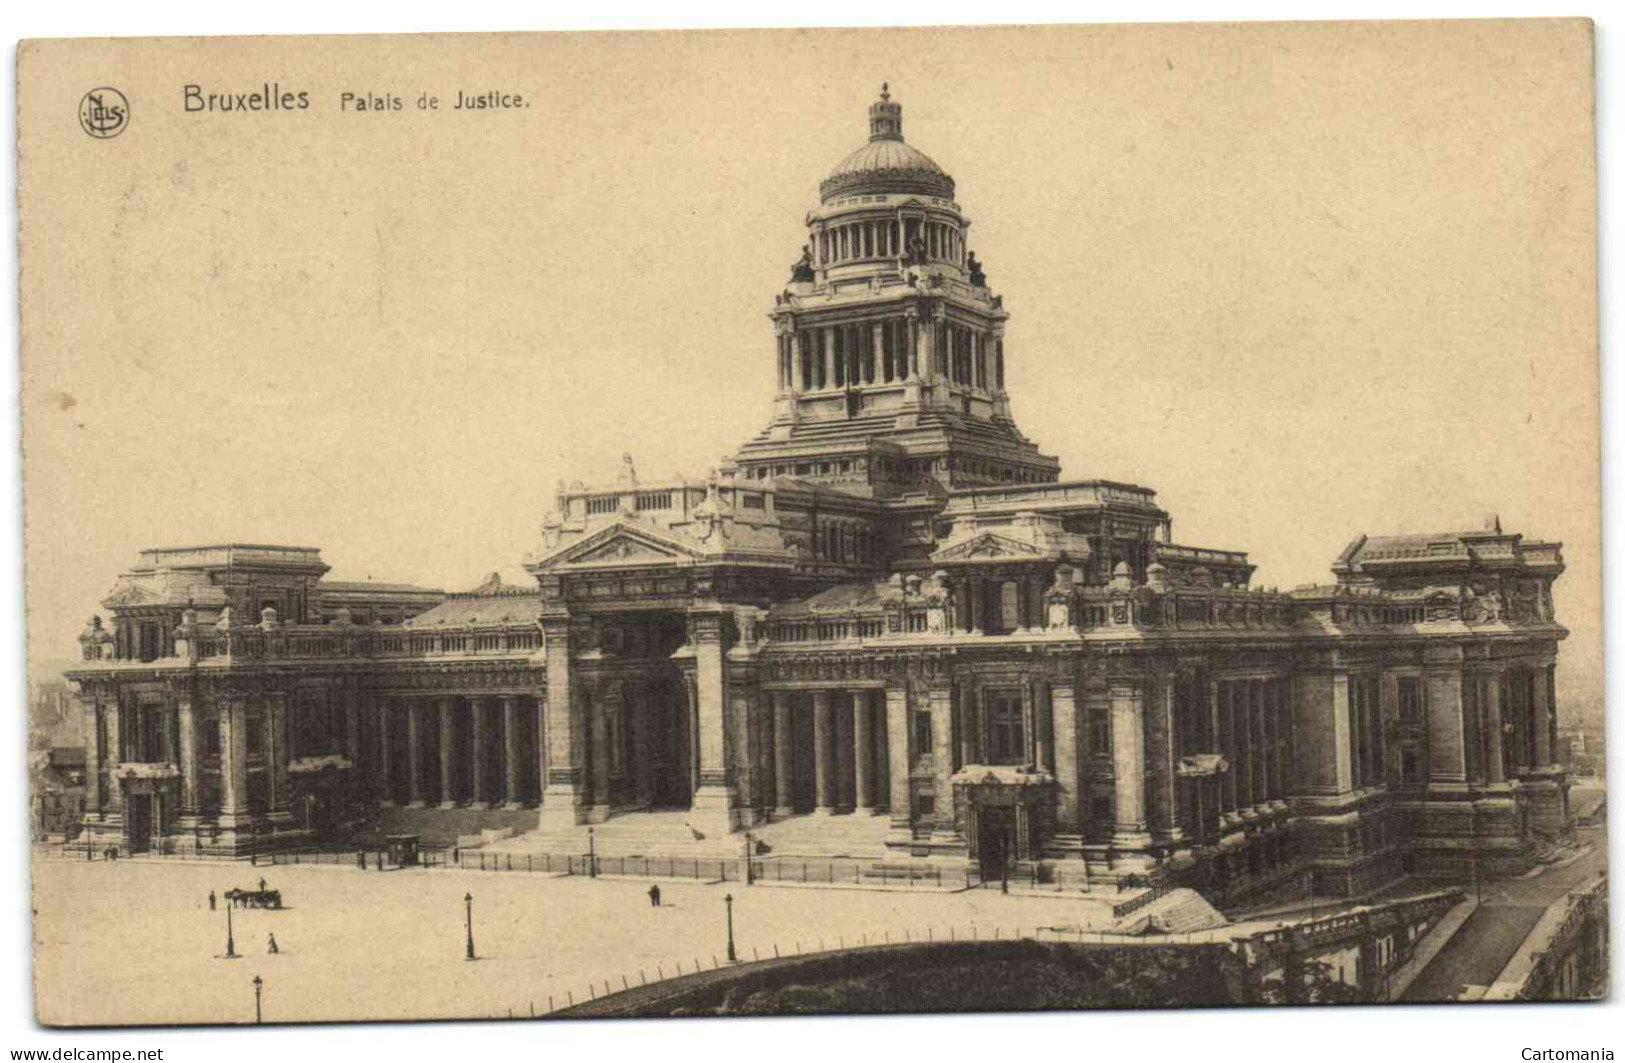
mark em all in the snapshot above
pixel 922 732
pixel 1410 700
pixel 1100 733
pixel 1006 738
pixel 153 734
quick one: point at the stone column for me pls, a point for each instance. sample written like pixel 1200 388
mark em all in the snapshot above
pixel 713 811
pixel 1161 793
pixel 564 747
pixel 448 797
pixel 352 730
pixel 911 351
pixel 1495 770
pixel 477 783
pixel 942 743
pixel 278 753
pixel 1262 746
pixel 1541 708
pixel 599 704
pixel 513 781
pixel 1219 706
pixel 1283 719
pixel 1242 736
pixel 1043 724
pixel 191 762
pixel 1128 765
pixel 1320 729
pixel 95 755
pixel 927 332
pixel 414 754
pixel 863 753
pixel 797 377
pixel 822 769
pixel 783 755
pixel 841 709
pixel 1064 713
pixel 1447 754
pixel 233 764
pixel 826 379
pixel 386 782
pixel 970 728
pixel 898 758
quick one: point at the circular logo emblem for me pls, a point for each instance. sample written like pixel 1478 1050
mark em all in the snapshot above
pixel 104 113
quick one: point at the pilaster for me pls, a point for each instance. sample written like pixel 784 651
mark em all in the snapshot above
pixel 713 811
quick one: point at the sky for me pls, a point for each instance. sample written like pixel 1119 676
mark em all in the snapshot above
pixel 1306 282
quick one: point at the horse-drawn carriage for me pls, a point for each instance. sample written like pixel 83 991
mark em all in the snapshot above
pixel 254 898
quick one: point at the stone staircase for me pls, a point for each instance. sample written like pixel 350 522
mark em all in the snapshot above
pixel 442 826
pixel 667 836
pixel 1180 912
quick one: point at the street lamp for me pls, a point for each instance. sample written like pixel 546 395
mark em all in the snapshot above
pixel 468 906
pixel 259 983
pixel 592 854
pixel 231 944
pixel 729 901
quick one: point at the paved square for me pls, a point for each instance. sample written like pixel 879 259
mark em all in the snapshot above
pixel 134 941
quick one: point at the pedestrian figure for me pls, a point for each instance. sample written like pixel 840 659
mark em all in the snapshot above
pixel 271 948
pixel 211 900
pixel 262 885
pixel 654 896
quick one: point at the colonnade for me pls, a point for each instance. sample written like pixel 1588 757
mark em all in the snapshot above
pixel 878 238
pixel 850 354
pixel 888 350
pixel 1510 720
pixel 1253 721
pixel 850 769
pixel 473 751
pixel 999 603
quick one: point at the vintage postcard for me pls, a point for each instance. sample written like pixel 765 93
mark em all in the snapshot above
pixel 733 523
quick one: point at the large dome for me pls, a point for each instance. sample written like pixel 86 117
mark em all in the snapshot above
pixel 886 164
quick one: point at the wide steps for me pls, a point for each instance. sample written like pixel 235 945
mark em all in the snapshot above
pixel 444 826
pixel 1180 912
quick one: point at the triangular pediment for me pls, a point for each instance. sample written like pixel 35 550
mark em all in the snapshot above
pixel 621 544
pixel 129 595
pixel 986 545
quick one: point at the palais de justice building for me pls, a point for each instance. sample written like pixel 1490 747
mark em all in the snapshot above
pixel 889 602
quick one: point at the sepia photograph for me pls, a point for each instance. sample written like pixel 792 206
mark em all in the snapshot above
pixel 811 521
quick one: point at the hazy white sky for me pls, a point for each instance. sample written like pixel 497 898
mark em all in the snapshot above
pixel 1306 282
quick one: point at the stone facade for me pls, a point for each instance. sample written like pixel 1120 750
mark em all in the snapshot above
pixel 887 603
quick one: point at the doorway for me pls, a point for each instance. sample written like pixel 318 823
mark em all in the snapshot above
pixel 666 708
pixel 138 822
pixel 995 838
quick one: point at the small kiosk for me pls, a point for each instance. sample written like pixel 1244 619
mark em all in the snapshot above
pixel 403 849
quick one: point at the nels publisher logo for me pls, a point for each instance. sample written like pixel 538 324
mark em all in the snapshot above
pixel 104 113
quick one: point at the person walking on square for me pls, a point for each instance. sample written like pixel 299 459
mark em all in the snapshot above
pixel 262 885
pixel 654 896
pixel 211 900
pixel 271 946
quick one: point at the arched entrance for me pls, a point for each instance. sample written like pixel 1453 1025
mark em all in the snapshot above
pixel 665 713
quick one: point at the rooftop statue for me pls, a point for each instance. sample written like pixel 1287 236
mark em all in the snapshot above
pixel 803 269
pixel 978 279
